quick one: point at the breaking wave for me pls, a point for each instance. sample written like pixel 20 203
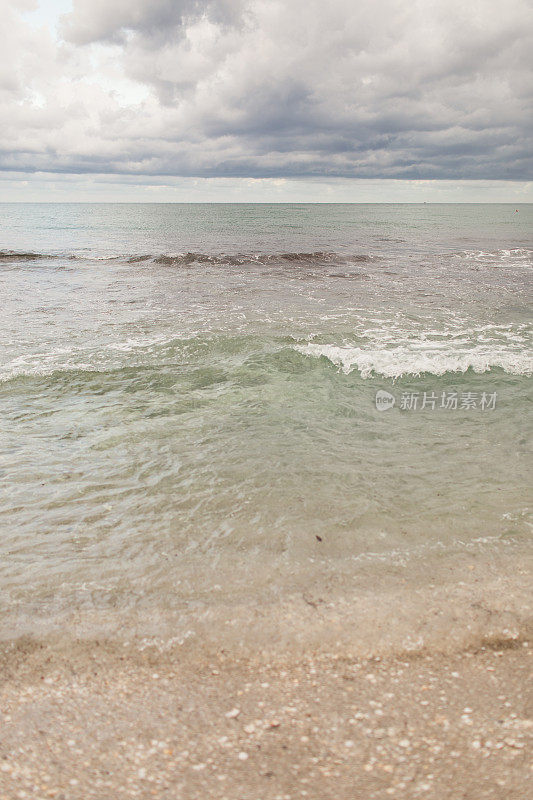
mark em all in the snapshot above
pixel 319 257
pixel 406 360
pixel 520 256
pixel 11 255
pixel 310 259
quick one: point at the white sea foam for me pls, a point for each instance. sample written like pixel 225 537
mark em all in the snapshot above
pixel 83 358
pixel 419 357
pixel 390 351
pixel 519 256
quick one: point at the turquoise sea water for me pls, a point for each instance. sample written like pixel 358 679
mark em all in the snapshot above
pixel 187 396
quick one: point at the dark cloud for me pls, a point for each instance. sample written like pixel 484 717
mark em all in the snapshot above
pixel 157 20
pixel 250 88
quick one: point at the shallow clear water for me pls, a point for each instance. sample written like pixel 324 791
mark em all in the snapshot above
pixel 187 395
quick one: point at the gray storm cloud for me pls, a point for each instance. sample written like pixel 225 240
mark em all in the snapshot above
pixel 268 89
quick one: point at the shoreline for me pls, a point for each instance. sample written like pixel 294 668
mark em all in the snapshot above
pixel 452 601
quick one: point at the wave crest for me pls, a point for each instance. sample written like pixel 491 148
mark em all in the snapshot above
pixel 238 259
pixel 404 360
pixel 12 255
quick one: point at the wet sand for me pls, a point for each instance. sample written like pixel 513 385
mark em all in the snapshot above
pixel 104 720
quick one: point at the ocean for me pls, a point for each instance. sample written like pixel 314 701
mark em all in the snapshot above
pixel 231 415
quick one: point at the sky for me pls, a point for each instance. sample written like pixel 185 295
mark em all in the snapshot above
pixel 263 100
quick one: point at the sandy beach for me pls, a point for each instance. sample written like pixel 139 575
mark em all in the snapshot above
pixel 418 690
pixel 104 720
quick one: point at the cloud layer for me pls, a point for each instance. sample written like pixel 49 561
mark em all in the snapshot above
pixel 247 88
